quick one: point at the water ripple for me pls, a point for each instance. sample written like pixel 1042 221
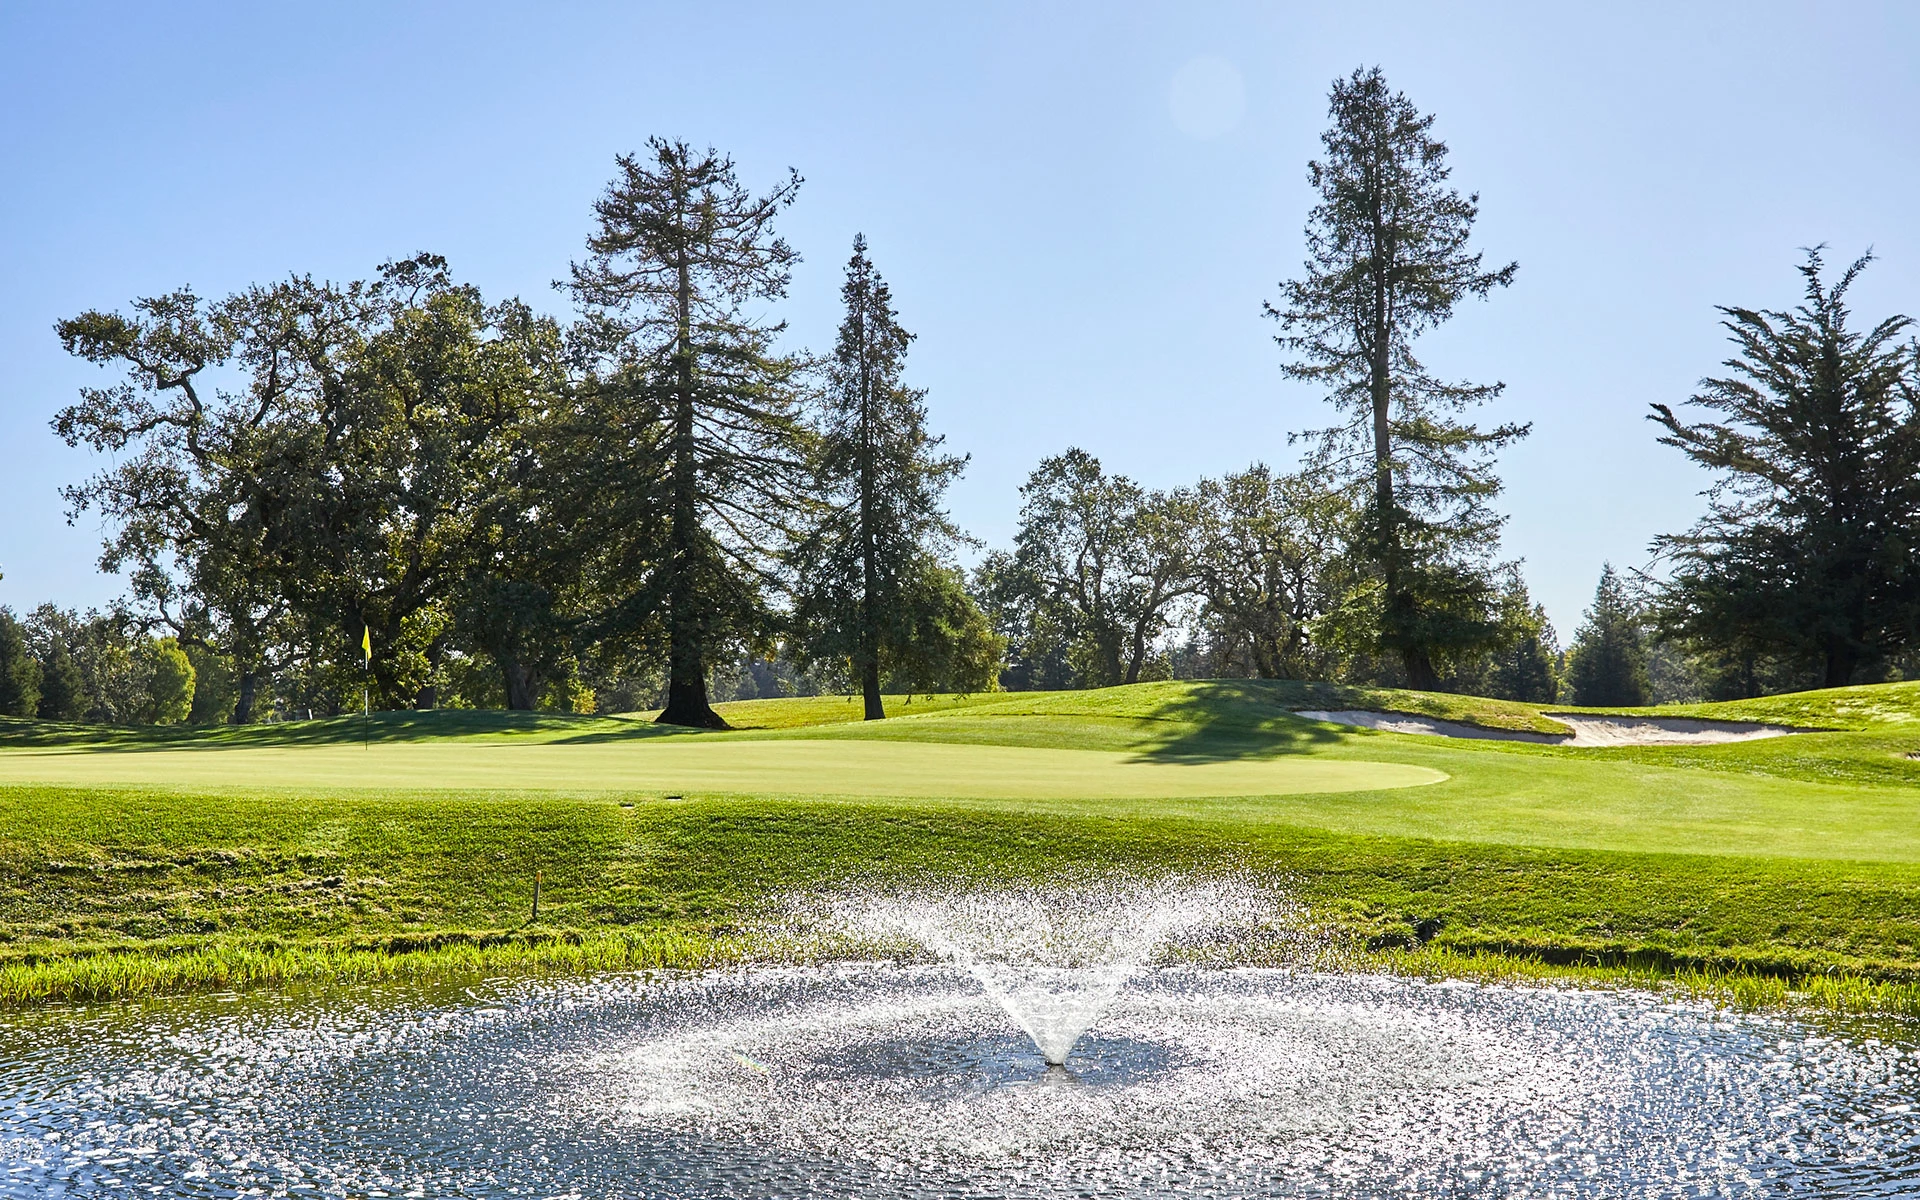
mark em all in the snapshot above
pixel 868 1078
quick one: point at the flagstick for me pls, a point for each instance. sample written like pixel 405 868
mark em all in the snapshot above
pixel 366 687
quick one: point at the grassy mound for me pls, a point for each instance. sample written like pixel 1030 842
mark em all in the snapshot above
pixel 167 859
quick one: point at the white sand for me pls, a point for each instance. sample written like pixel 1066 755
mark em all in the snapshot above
pixel 1588 729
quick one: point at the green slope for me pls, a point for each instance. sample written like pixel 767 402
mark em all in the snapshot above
pixel 1790 855
pixel 705 767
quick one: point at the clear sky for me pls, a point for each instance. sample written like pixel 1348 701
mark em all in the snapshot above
pixel 1080 208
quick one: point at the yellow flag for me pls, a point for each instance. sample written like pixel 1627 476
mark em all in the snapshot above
pixel 366 644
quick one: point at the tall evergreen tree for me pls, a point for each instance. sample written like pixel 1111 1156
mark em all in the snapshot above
pixel 19 670
pixel 1388 260
pixel 1607 666
pixel 680 250
pixel 63 690
pixel 1523 665
pixel 1808 549
pixel 867 571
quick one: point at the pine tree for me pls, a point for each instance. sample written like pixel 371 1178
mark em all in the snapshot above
pixel 1522 668
pixel 872 593
pixel 1388 260
pixel 19 671
pixel 63 691
pixel 1607 666
pixel 680 251
pixel 1808 549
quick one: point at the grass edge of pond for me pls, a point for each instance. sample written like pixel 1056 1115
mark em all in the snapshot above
pixel 143 972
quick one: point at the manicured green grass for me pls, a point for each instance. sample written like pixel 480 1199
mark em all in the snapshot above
pixel 710 766
pixel 796 711
pixel 1874 706
pixel 1239 701
pixel 140 860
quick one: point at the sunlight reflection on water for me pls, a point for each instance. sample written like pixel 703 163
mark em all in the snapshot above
pixel 908 1081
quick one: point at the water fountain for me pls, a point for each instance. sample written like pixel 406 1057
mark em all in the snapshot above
pixel 1055 956
pixel 914 1078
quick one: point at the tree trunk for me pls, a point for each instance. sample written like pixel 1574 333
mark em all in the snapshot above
pixel 1421 676
pixel 1114 669
pixel 1841 661
pixel 870 691
pixel 1400 617
pixel 428 697
pixel 686 629
pixel 244 698
pixel 523 684
pixel 869 641
pixel 1265 660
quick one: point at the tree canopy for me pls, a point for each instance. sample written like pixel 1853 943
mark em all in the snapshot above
pixel 679 251
pixel 1269 565
pixel 1807 548
pixel 1387 260
pixel 659 502
pixel 1098 566
pixel 1607 664
pixel 877 593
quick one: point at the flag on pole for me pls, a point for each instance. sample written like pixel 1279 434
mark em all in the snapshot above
pixel 366 690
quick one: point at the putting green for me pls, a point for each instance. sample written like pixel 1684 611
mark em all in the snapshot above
pixel 693 766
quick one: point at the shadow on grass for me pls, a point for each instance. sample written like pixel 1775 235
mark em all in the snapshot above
pixel 627 731
pixel 382 727
pixel 1222 720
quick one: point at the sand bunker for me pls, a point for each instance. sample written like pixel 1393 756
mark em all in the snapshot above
pixel 1588 729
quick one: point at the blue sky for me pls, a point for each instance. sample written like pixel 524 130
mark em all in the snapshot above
pixel 1080 208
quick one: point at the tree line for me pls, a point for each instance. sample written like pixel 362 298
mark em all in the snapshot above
pixel 655 503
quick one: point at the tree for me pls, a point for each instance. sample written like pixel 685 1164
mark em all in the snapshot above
pixel 1523 662
pixel 216 507
pixel 679 251
pixel 1607 666
pixel 63 693
pixel 19 670
pixel 942 640
pixel 876 593
pixel 170 680
pixel 1036 646
pixel 213 686
pixel 113 687
pixel 1267 560
pixel 1387 261
pixel 1807 550
pixel 449 390
pixel 1099 565
pixel 343 486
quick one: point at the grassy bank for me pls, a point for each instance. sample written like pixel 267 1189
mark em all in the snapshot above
pixel 1784 871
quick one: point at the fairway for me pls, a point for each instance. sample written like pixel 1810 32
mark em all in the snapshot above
pixel 711 766
pixel 134 859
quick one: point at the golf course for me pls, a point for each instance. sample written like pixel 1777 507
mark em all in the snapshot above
pixel 137 860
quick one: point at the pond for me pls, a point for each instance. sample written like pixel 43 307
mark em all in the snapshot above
pixel 880 1079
